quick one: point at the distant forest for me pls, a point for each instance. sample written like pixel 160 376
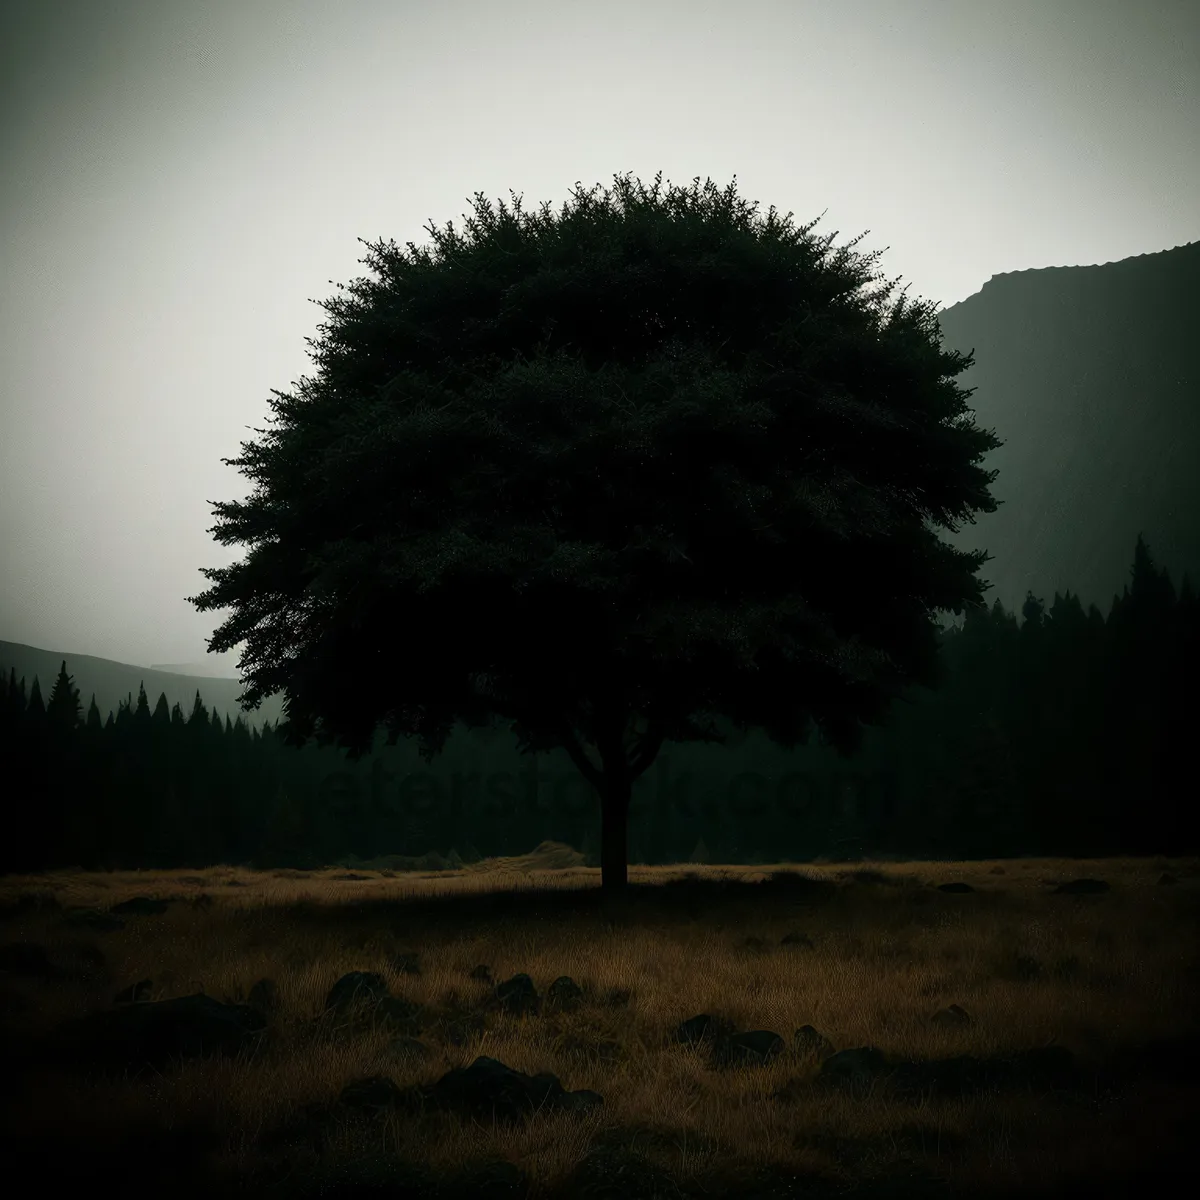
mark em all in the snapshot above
pixel 1065 733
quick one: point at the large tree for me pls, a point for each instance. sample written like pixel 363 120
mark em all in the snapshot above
pixel 611 478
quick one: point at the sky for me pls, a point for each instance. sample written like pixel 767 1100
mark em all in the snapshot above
pixel 183 178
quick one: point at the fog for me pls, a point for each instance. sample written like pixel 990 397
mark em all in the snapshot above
pixel 181 180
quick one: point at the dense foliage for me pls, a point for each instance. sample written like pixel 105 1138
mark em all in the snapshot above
pixel 609 477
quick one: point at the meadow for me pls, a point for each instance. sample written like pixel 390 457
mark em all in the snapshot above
pixel 866 954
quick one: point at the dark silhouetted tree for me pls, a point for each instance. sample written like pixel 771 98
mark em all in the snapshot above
pixel 62 771
pixel 609 478
pixel 14 695
pixel 1146 638
pixel 13 751
pixel 64 708
pixel 199 715
pixel 24 734
pixel 35 710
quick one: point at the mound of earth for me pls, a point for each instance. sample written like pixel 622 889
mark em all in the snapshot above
pixel 548 856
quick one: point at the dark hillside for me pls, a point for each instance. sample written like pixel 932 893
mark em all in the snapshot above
pixel 1090 376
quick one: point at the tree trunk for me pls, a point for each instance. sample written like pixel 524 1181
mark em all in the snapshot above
pixel 620 765
pixel 614 785
pixel 614 835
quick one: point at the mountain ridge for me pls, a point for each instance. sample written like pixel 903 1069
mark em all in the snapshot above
pixel 1087 374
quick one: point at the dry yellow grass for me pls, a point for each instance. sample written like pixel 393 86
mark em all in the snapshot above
pixel 1116 969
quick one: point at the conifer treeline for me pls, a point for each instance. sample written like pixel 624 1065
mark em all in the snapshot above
pixel 1064 734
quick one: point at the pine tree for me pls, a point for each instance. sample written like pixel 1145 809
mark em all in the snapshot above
pixel 64 708
pixel 35 710
pixel 199 713
pixel 14 696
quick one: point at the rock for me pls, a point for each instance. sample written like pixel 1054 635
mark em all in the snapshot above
pixel 141 906
pixel 486 1090
pixel 517 996
pixel 93 919
pixel 954 1017
pixel 356 989
pixel 853 1067
pixel 135 993
pixel 264 996
pixel 702 1029
pixel 796 939
pixel 808 1041
pixel 1166 880
pixel 756 1048
pixel 755 945
pixel 564 994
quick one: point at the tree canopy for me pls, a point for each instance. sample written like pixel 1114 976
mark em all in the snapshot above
pixel 608 477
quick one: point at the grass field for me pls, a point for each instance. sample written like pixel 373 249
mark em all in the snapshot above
pixel 881 951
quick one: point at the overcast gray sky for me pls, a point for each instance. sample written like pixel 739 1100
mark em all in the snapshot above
pixel 181 176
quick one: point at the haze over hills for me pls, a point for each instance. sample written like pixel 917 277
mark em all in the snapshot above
pixel 112 682
pixel 200 670
pixel 1089 375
